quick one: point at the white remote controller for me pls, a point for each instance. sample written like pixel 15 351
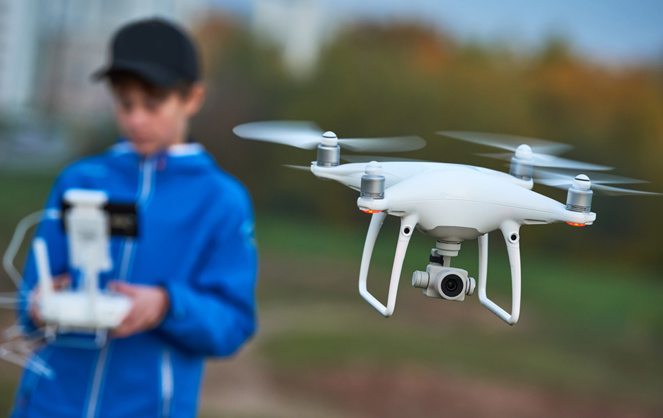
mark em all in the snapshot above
pixel 88 307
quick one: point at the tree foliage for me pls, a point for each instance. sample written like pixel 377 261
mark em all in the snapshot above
pixel 384 80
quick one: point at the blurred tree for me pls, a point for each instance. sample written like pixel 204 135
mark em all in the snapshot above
pixel 405 78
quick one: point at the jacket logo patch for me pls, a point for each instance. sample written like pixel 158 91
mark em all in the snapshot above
pixel 246 231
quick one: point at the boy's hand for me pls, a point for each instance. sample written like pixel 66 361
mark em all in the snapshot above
pixel 150 304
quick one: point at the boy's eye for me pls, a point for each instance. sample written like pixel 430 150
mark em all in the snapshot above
pixel 153 103
pixel 126 104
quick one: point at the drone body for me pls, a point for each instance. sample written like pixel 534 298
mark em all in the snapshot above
pixel 454 202
pixel 448 202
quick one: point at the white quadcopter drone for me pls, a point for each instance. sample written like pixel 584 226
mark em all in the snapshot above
pixel 449 202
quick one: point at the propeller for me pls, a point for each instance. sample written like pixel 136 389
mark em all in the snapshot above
pixel 509 142
pixel 535 152
pixel 308 135
pixel 599 182
pixel 298 167
pixel 551 161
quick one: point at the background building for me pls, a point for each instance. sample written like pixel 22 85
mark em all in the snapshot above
pixel 48 50
pixel 297 27
pixel 19 39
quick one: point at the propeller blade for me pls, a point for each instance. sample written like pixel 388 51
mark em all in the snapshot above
pixel 9 299
pixel 27 360
pixel 596 178
pixel 551 161
pixel 543 160
pixel 599 182
pixel 388 144
pixel 307 135
pixel 300 134
pixel 618 191
pixel 560 183
pixel 298 167
pixel 508 142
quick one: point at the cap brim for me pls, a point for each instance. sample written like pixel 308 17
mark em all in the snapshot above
pixel 152 74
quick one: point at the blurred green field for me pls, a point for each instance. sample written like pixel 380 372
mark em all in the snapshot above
pixel 584 328
pixel 591 332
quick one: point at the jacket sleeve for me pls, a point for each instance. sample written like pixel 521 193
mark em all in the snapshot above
pixel 51 230
pixel 214 312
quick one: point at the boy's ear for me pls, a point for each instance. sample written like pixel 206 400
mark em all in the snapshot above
pixel 194 101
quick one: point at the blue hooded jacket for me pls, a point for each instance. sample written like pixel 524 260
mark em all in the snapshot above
pixel 195 238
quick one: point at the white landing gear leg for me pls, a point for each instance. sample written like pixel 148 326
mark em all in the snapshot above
pixel 512 238
pixel 408 224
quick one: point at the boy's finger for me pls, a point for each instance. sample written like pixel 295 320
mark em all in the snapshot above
pixel 61 282
pixel 129 323
pixel 123 288
pixel 62 277
pixel 121 329
pixel 126 328
pixel 35 315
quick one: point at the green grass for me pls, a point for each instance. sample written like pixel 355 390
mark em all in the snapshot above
pixel 7 388
pixel 497 357
pixel 23 191
pixel 609 295
pixel 584 329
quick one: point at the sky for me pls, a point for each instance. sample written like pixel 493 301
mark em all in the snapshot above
pixel 614 31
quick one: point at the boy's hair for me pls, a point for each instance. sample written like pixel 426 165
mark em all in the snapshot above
pixel 119 79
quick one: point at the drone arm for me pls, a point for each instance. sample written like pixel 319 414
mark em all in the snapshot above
pixel 512 239
pixel 407 227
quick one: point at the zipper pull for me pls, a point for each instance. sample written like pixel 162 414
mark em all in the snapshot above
pixel 161 161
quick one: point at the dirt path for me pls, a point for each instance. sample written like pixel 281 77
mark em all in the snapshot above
pixel 417 393
pixel 247 387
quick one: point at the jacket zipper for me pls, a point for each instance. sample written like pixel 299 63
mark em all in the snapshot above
pixel 167 383
pixel 96 382
pixel 146 171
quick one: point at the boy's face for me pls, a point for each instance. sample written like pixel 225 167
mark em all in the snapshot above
pixel 153 120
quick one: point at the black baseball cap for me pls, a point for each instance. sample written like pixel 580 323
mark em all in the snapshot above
pixel 154 49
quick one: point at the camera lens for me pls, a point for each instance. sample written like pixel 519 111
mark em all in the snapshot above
pixel 451 286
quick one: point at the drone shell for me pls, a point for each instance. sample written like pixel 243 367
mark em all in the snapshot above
pixel 457 203
pixel 454 202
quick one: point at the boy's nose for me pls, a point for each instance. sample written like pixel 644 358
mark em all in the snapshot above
pixel 137 117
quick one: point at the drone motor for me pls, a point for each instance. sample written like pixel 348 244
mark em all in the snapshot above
pixel 521 163
pixel 579 198
pixel 329 152
pixel 372 183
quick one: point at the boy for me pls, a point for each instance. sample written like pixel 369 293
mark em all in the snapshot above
pixel 191 270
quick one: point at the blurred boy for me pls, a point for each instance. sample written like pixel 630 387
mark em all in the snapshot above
pixel 191 270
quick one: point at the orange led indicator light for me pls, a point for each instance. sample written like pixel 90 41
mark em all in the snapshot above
pixel 575 224
pixel 370 211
